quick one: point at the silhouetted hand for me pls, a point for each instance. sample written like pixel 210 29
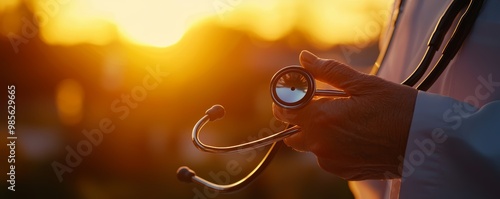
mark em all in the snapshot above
pixel 357 137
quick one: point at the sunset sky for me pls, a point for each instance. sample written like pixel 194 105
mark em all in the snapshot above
pixel 162 23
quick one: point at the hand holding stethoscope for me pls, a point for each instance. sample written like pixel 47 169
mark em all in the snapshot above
pixel 292 89
pixel 377 107
pixel 359 135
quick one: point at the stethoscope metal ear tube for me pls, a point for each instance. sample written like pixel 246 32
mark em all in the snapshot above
pixel 216 112
pixel 187 175
pixel 239 147
pixel 292 87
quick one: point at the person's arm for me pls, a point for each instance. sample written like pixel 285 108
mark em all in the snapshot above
pixel 453 150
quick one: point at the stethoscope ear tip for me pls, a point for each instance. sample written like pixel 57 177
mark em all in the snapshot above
pixel 215 112
pixel 185 174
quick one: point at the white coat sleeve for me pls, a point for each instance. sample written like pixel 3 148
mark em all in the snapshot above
pixel 453 150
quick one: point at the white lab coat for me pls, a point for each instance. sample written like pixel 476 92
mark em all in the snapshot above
pixel 453 147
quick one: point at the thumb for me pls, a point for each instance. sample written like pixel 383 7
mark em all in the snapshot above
pixel 333 72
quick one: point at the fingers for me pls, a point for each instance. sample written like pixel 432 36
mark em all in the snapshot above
pixel 315 111
pixel 294 116
pixel 333 72
pixel 308 118
pixel 297 141
pixel 291 116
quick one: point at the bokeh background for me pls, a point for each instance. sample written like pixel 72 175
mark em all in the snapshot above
pixel 152 68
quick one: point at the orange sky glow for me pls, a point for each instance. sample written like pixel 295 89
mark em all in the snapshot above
pixel 161 23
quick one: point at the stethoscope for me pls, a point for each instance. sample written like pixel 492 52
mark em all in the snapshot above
pixel 293 87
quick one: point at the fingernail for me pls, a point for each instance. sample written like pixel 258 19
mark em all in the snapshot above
pixel 307 57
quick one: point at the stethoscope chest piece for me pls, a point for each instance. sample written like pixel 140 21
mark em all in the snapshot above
pixel 292 87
